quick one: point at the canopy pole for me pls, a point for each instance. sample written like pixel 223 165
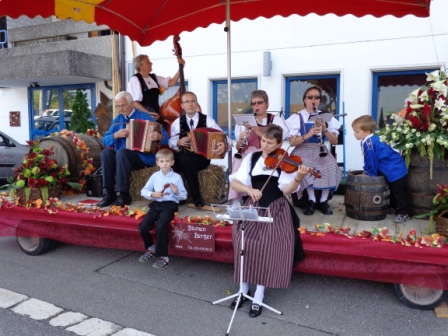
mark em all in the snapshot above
pixel 229 84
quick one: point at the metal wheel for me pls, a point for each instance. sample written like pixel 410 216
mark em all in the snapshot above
pixel 34 245
pixel 422 298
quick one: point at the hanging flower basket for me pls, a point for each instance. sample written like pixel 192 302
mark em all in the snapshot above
pixel 25 195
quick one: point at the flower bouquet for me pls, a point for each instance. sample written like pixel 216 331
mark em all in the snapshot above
pixel 424 126
pixel 39 176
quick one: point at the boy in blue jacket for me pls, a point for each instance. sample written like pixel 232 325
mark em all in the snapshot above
pixel 381 159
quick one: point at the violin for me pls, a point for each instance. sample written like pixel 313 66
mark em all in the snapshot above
pixel 288 163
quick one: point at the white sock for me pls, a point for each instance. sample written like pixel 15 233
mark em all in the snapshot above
pixel 311 195
pixel 324 195
pixel 245 287
pixel 152 249
pixel 167 260
pixel 237 201
pixel 259 294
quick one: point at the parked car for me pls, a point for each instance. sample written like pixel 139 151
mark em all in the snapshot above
pixel 50 124
pixel 54 126
pixel 55 113
pixel 11 156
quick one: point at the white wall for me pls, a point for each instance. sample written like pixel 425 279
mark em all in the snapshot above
pixel 349 46
pixel 14 100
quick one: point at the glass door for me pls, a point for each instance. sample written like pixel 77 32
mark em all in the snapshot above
pixel 51 108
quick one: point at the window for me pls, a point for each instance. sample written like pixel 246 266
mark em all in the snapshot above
pixel 296 87
pixel 241 90
pixel 390 89
pixel 48 103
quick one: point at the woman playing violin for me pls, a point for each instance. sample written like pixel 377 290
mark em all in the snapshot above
pixel 252 135
pixel 271 249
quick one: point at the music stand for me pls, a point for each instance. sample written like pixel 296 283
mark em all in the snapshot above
pixel 242 213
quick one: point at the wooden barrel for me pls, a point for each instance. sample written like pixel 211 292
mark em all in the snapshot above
pixel 366 197
pixel 420 188
pixel 66 153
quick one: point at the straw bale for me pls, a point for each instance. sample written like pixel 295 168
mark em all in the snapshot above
pixel 210 183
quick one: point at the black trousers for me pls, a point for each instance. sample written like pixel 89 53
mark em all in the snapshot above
pixel 163 214
pixel 189 164
pixel 117 167
pixel 398 196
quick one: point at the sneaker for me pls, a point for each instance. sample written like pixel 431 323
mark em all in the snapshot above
pixel 161 263
pixel 401 218
pixel 144 258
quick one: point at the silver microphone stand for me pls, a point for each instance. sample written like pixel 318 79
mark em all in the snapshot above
pixel 242 213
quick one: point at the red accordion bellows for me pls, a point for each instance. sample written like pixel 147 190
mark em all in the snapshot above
pixel 138 138
pixel 204 140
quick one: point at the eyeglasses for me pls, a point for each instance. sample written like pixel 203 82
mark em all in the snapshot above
pixel 311 97
pixel 257 102
pixel 189 102
pixel 121 106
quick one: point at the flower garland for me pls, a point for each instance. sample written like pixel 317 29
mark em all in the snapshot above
pixel 380 235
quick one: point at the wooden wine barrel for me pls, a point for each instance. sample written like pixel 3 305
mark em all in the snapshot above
pixel 66 153
pixel 421 189
pixel 366 197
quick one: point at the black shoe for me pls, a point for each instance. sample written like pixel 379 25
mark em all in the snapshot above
pixel 123 200
pixel 326 208
pixel 107 200
pixel 199 204
pixel 243 299
pixel 310 208
pixel 255 310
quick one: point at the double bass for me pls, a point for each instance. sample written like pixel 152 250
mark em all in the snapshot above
pixel 171 109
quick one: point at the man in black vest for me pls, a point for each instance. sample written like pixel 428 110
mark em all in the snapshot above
pixel 145 86
pixel 186 162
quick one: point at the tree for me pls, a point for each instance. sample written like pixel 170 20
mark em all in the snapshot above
pixel 81 119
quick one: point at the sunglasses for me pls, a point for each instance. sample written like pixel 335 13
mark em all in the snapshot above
pixel 257 102
pixel 311 97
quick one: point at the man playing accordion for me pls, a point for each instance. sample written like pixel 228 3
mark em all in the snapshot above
pixel 186 161
pixel 117 162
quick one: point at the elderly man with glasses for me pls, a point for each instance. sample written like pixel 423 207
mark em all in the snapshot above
pixel 117 162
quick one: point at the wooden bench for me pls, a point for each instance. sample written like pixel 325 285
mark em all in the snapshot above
pixel 212 181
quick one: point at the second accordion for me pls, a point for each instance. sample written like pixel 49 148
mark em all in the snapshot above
pixel 205 140
pixel 138 138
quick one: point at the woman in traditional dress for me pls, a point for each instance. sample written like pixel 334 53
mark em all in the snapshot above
pixel 252 135
pixel 307 146
pixel 270 249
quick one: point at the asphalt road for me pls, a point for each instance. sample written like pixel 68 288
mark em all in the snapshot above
pixel 113 286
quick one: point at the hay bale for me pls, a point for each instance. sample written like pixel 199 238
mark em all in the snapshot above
pixel 210 184
pixel 138 181
pixel 211 180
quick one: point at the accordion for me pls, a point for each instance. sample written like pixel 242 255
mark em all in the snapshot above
pixel 138 138
pixel 204 140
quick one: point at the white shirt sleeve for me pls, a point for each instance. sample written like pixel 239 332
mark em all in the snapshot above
pixel 175 132
pixel 135 89
pixel 293 124
pixel 280 122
